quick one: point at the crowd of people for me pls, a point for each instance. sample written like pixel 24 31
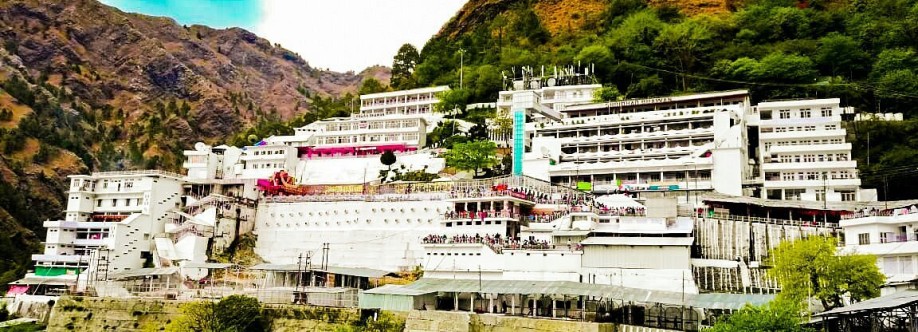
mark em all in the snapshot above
pixel 620 211
pixel 499 243
pixel 480 214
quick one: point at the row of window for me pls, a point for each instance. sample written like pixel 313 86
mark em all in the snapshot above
pixel 810 158
pixel 125 202
pixel 798 128
pixel 400 99
pixel 267 152
pixel 470 223
pixel 800 113
pixel 264 165
pixel 391 124
pixel 802 176
pixel 768 145
pixel 368 138
pixel 795 194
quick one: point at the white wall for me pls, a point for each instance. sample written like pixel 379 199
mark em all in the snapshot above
pixel 636 257
pixel 380 235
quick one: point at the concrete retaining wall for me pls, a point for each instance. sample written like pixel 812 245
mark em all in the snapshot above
pixel 442 321
pixel 109 314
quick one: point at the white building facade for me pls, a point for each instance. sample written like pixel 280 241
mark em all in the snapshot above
pixel 118 213
pixel 803 152
pixel 673 144
pixel 891 235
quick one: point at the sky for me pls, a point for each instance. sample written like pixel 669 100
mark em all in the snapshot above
pixel 340 35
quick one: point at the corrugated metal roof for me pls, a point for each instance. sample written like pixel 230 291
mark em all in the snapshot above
pixel 274 267
pixel 396 290
pixel 356 271
pixel 53 281
pixel 639 241
pixel 711 301
pixel 206 265
pixel 351 271
pixel 151 271
pixel 891 301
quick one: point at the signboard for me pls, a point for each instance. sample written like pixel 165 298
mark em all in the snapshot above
pixel 584 186
pixel 518 195
pixel 635 102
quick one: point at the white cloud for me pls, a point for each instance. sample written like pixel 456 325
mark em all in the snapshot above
pixel 352 34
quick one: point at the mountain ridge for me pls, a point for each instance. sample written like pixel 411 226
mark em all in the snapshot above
pixel 92 88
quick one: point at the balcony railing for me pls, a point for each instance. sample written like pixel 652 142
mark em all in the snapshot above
pixel 498 244
pixel 138 173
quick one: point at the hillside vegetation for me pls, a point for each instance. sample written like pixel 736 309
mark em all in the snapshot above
pixel 862 51
pixel 85 87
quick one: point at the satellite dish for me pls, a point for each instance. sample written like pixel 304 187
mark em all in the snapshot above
pixel 534 85
pixel 517 85
pixel 545 152
pixel 200 146
pixel 551 81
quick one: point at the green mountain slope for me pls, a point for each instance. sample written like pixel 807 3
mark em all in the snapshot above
pixel 862 51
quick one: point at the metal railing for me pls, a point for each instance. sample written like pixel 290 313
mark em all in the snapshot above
pixel 773 221
pixel 139 173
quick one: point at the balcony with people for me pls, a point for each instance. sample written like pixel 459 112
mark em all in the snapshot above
pixel 499 243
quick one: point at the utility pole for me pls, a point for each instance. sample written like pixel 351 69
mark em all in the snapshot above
pixel 299 272
pixel 885 190
pixel 683 301
pixel 325 249
pixel 461 63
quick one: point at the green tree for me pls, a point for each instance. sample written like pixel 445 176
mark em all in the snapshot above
pixel 453 101
pixel 684 44
pixel 387 158
pixel 403 65
pixel 472 156
pixel 371 85
pixel 811 266
pixel 772 317
pixel 232 313
pixel 606 93
pixel 838 53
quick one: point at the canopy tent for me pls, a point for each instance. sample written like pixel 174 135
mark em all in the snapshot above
pixel 618 201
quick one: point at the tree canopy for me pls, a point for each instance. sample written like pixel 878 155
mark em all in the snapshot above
pixel 387 158
pixel 232 313
pixel 472 156
pixel 811 267
pixel 403 67
pixel 775 316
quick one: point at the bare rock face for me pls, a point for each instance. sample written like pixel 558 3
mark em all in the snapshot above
pixel 109 57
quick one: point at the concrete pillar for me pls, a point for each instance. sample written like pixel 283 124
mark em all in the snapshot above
pixel 455 301
pixel 554 307
pixel 512 304
pixel 472 302
pixel 532 309
pixel 491 304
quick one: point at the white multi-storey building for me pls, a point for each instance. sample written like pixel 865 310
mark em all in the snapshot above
pixel 671 144
pixel 803 153
pixel 388 121
pixel 891 235
pixel 115 212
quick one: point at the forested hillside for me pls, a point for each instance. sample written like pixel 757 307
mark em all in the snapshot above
pixel 862 51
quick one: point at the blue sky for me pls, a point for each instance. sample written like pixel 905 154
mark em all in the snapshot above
pixel 214 13
pixel 340 35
